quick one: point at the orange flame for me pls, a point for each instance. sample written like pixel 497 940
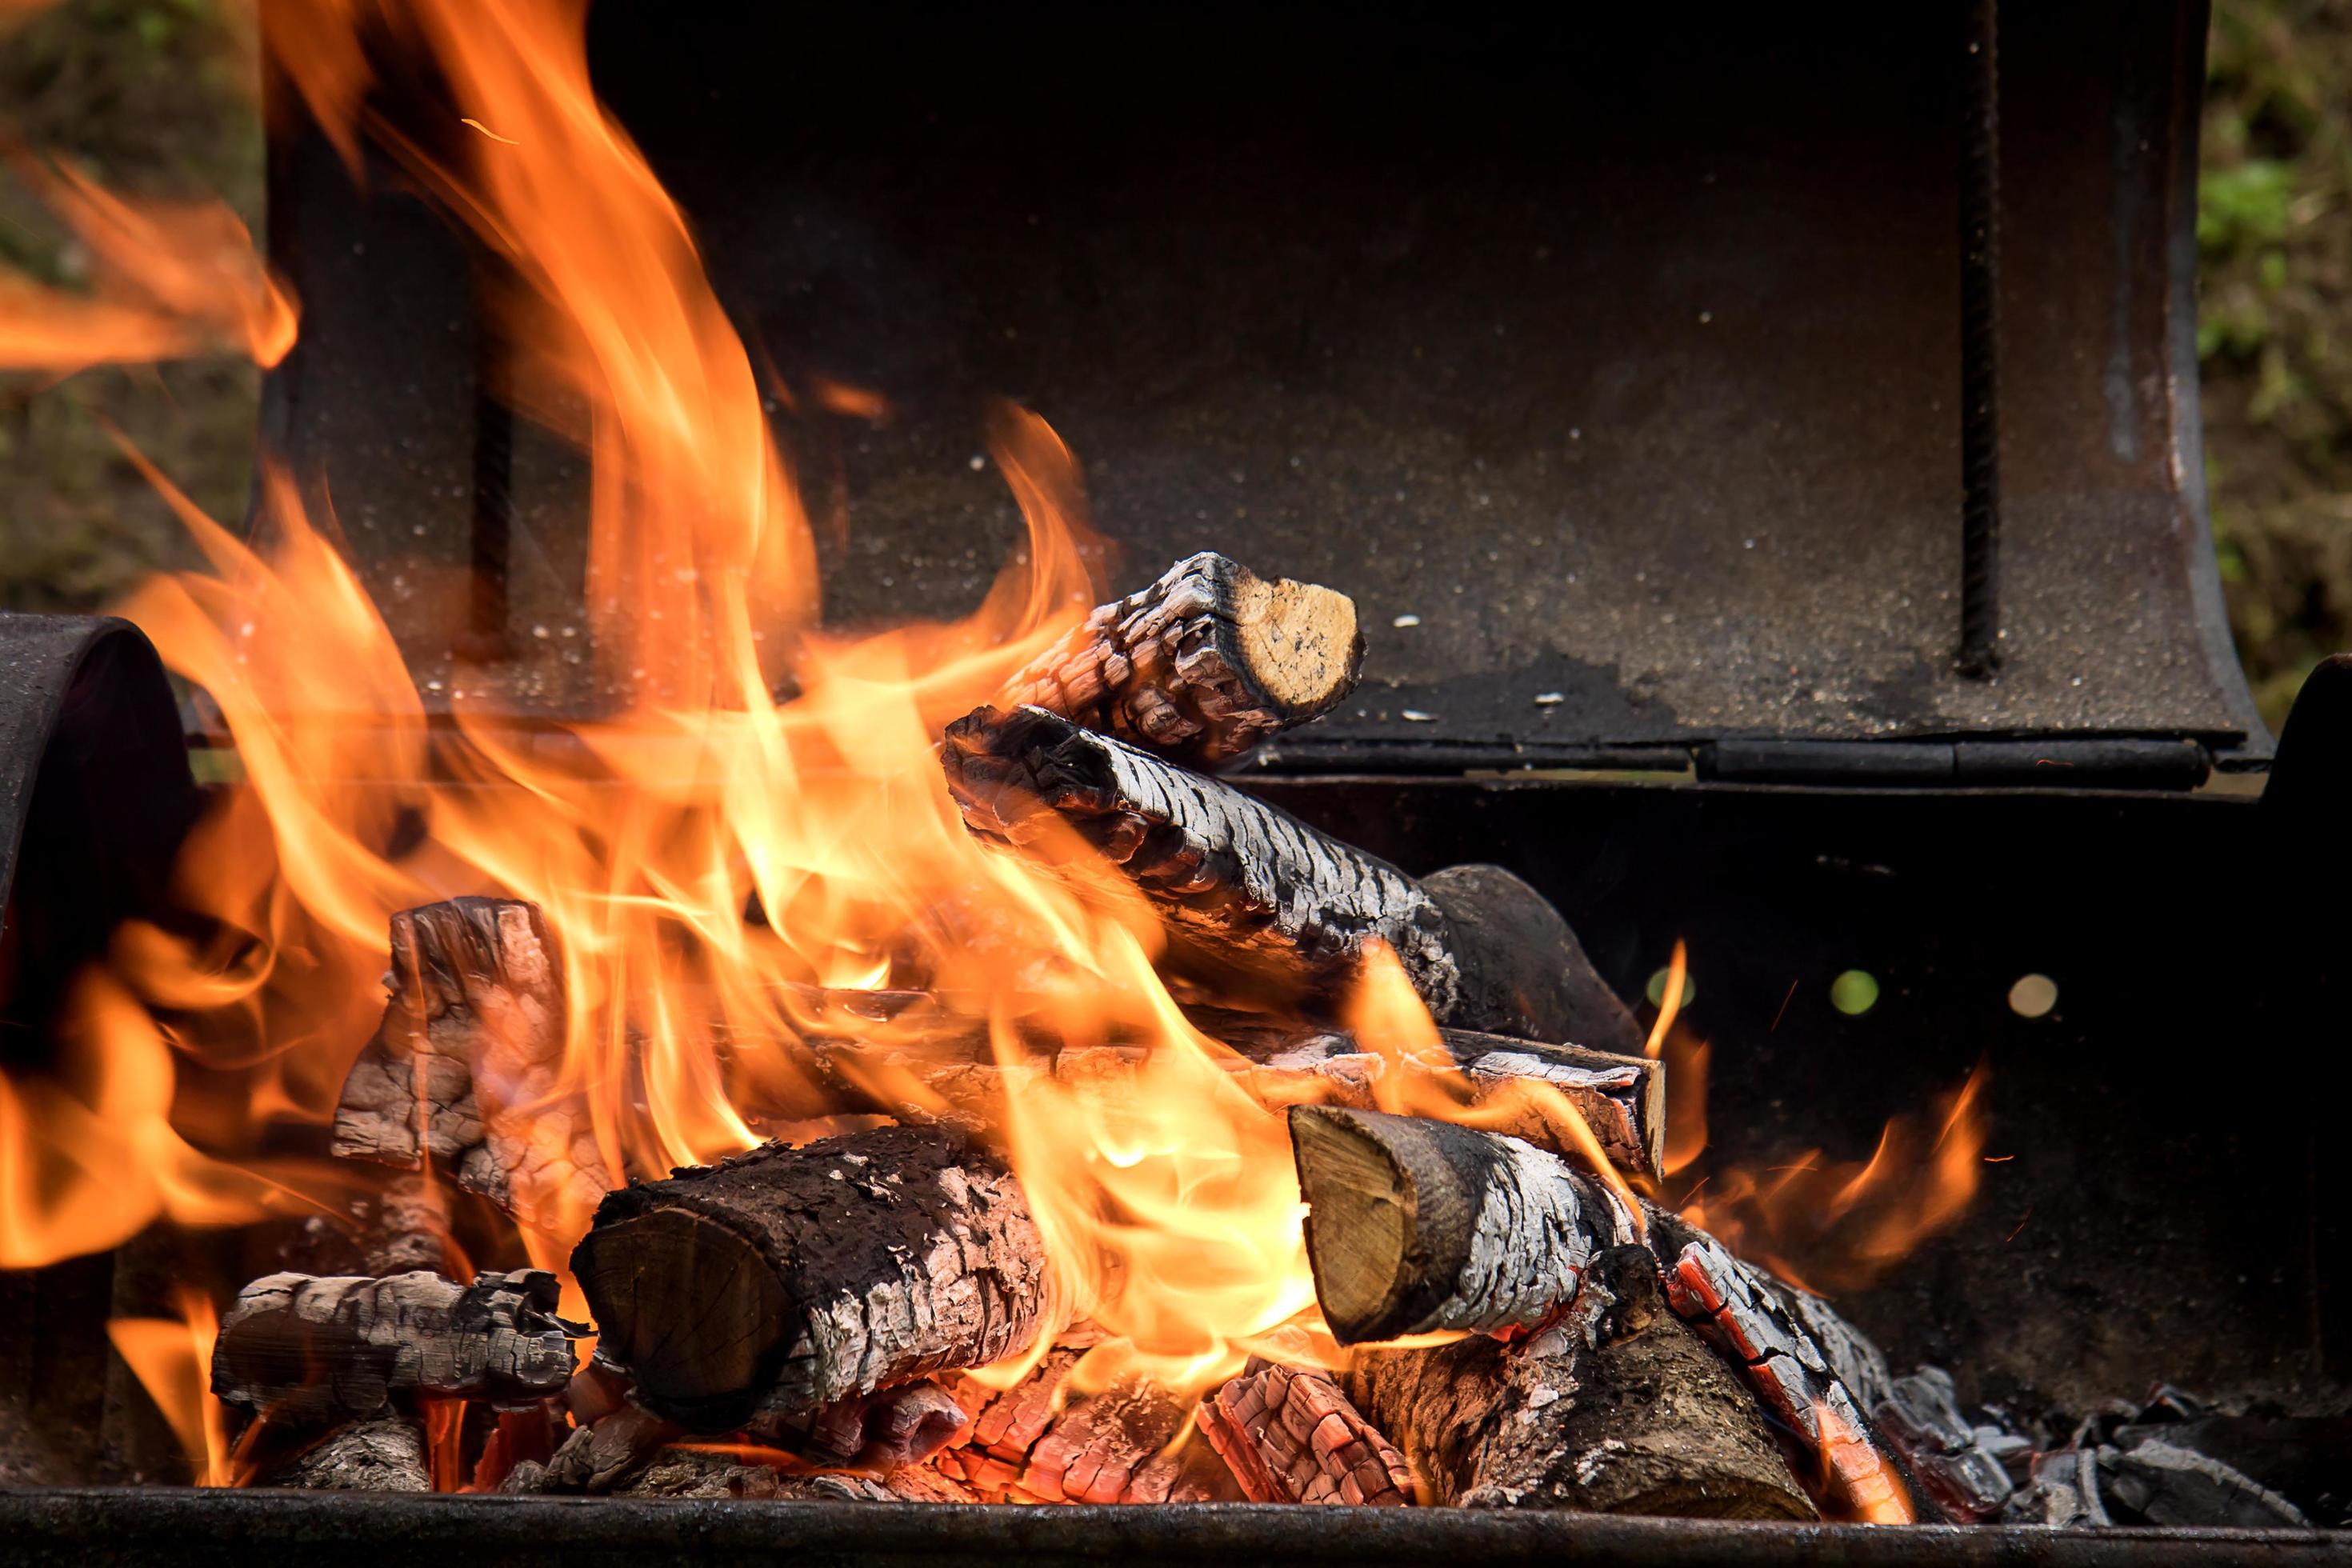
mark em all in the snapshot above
pixel 1858 1485
pixel 1833 1224
pixel 172 1358
pixel 171 279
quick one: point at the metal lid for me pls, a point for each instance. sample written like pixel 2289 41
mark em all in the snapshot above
pixel 1614 364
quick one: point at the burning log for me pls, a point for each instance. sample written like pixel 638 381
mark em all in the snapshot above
pixel 1920 1416
pixel 1620 1099
pixel 1292 1437
pixel 1240 883
pixel 1523 971
pixel 299 1347
pixel 1416 1226
pixel 880 1432
pixel 1202 665
pixel 1249 892
pixel 786 1279
pixel 465 1069
pixel 1641 1419
pixel 1810 1369
pixel 382 1456
pixel 1027 1445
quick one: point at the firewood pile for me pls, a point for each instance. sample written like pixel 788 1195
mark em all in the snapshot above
pixel 870 1316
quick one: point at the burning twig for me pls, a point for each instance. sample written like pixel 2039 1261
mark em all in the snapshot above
pixel 1202 665
pixel 786 1279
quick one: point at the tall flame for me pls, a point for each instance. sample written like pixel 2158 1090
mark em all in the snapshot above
pixel 708 853
pixel 172 1358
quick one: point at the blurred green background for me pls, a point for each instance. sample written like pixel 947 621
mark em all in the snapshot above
pixel 156 97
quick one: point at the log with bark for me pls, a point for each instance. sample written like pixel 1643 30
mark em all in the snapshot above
pixel 465 1069
pixel 1642 1419
pixel 785 1280
pixel 1255 898
pixel 1812 1372
pixel 1416 1226
pixel 300 1348
pixel 1291 1435
pixel 386 1455
pixel 1202 665
pixel 1621 1101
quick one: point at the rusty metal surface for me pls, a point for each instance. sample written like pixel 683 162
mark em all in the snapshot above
pixel 1624 358
pixel 90 1528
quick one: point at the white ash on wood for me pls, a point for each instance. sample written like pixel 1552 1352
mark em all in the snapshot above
pixel 1202 665
pixel 1257 900
pixel 466 1066
pixel 1291 1435
pixel 785 1280
pixel 1247 887
pixel 1416 1226
pixel 301 1348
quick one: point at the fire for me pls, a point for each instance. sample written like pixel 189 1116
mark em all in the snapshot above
pixel 172 1358
pixel 169 279
pixel 1166 1195
pixel 1858 1482
pixel 1815 1221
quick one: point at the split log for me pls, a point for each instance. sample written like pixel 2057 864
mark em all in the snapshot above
pixel 1416 1226
pixel 466 1068
pixel 1255 898
pixel 380 1456
pixel 298 1347
pixel 1618 1410
pixel 1797 1356
pixel 785 1280
pixel 1202 665
pixel 1292 1437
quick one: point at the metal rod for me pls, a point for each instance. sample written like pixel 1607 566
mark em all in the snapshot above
pixel 1979 652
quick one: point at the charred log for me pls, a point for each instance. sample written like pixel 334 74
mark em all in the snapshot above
pixel 1920 1416
pixel 1648 1423
pixel 464 1069
pixel 380 1456
pixel 1810 1372
pixel 1256 899
pixel 1245 887
pixel 1416 1226
pixel 1033 1443
pixel 1620 1101
pixel 877 1433
pixel 786 1279
pixel 1202 665
pixel 1523 971
pixel 1292 1437
pixel 301 1348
